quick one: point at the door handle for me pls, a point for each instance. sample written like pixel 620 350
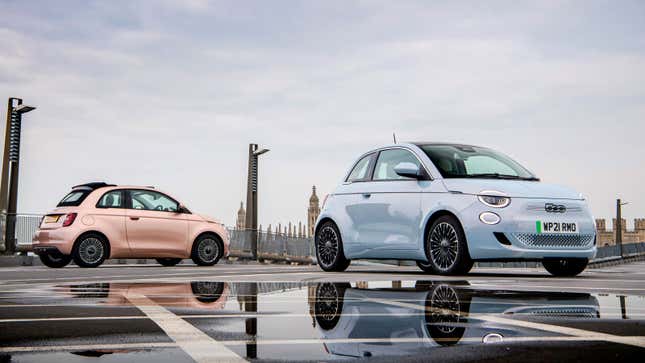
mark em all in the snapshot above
pixel 134 218
pixel 367 195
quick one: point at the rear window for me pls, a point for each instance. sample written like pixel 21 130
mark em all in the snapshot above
pixel 74 198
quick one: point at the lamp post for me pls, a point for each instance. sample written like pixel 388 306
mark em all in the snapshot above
pixel 252 197
pixel 10 169
pixel 619 225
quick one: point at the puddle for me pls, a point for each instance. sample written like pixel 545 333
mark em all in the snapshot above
pixel 299 321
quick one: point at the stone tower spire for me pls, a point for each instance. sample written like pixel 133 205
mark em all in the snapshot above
pixel 312 212
pixel 240 222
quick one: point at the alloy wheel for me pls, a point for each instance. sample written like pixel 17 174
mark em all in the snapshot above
pixel 327 246
pixel 444 246
pixel 91 250
pixel 208 250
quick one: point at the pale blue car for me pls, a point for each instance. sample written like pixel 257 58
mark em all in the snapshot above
pixel 448 205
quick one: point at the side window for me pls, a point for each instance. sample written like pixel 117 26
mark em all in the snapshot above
pixel 388 159
pixel 361 169
pixel 113 199
pixel 149 200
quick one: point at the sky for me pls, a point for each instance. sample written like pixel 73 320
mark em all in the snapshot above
pixel 170 93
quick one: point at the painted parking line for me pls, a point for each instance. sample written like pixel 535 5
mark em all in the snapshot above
pixel 638 341
pixel 201 347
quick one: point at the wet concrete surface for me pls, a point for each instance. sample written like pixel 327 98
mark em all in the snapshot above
pixel 194 314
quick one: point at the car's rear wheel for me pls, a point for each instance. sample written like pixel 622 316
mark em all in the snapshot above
pixel 90 250
pixel 565 267
pixel 168 262
pixel 54 259
pixel 328 305
pixel 446 248
pixel 329 248
pixel 207 291
pixel 207 250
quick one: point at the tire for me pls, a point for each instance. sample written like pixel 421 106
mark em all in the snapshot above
pixel 447 310
pixel 565 267
pixel 168 262
pixel 329 248
pixel 328 306
pixel 90 250
pixel 54 259
pixel 207 250
pixel 207 291
pixel 446 248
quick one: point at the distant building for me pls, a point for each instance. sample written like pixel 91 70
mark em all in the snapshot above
pixel 240 222
pixel 607 237
pixel 312 212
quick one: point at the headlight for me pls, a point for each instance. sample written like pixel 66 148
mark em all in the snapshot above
pixel 495 201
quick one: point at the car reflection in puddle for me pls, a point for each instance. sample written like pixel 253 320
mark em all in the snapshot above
pixel 206 295
pixel 364 322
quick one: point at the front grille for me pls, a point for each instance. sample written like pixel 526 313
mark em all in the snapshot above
pixel 532 240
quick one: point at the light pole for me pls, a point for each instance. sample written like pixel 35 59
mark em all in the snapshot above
pixel 252 197
pixel 619 225
pixel 10 169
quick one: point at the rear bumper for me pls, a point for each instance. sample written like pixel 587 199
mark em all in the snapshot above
pixel 53 239
pixel 39 250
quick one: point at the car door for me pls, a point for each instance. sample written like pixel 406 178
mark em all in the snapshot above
pixel 109 218
pixel 350 198
pixel 391 206
pixel 154 227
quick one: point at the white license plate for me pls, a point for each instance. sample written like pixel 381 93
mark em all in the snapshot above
pixel 550 227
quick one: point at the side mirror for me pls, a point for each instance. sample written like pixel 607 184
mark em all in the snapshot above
pixel 182 209
pixel 408 170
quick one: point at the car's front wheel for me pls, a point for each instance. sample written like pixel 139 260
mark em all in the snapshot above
pixel 207 250
pixel 90 250
pixel 168 262
pixel 54 259
pixel 446 248
pixel 329 248
pixel 565 267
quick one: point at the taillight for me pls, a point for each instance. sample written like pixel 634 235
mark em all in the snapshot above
pixel 69 219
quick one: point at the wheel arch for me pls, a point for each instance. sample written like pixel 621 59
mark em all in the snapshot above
pixel 436 215
pixel 218 237
pixel 321 222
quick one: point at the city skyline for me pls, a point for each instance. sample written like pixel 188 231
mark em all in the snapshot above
pixel 319 86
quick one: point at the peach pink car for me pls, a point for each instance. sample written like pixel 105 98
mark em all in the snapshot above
pixel 97 221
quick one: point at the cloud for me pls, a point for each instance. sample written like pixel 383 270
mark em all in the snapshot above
pixel 170 93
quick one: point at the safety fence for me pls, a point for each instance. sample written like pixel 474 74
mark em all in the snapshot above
pixel 271 246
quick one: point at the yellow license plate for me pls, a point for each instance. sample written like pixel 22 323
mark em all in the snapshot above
pixel 51 219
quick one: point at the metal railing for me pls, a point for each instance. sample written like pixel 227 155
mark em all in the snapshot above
pixel 24 227
pixel 271 246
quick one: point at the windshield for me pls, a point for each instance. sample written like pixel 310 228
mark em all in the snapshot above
pixel 461 161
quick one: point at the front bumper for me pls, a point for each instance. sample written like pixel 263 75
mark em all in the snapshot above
pixel 520 240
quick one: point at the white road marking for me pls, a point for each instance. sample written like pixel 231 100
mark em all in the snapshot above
pixel 201 347
pixel 581 333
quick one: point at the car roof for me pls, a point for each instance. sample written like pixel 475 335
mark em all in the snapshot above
pixel 421 143
pixel 98 185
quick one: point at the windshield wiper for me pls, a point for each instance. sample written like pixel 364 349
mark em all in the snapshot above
pixel 500 176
